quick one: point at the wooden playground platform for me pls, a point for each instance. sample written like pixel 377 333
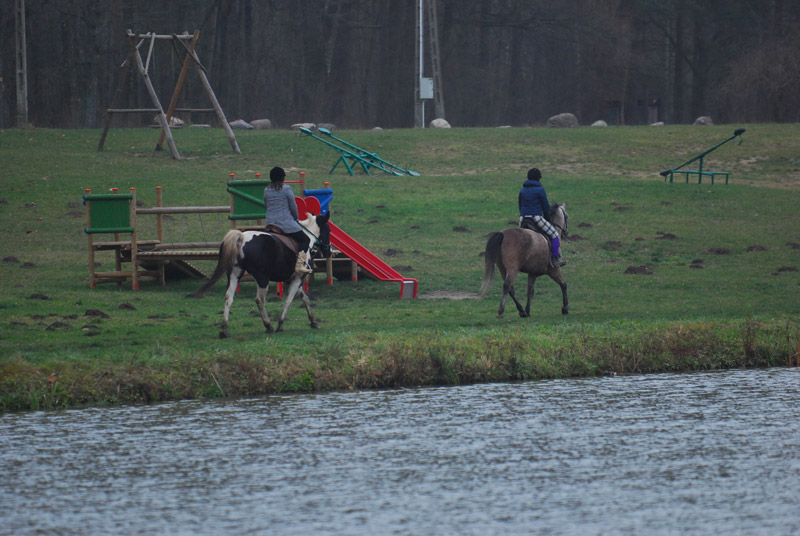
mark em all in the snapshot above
pixel 115 217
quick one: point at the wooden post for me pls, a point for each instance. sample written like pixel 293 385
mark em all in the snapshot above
pixel 213 98
pixel 160 236
pixel 134 245
pixel 117 250
pixel 162 117
pixel 123 77
pixel 179 86
pixel 92 281
pixel 231 176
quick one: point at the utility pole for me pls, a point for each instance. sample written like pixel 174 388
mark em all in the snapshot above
pixel 427 88
pixel 22 66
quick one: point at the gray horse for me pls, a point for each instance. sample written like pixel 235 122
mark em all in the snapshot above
pixel 516 250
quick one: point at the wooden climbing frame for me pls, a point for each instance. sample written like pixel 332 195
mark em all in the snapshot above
pixel 188 43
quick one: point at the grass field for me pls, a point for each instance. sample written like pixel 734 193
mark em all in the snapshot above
pixel 721 286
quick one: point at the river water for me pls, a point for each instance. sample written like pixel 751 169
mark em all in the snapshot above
pixel 708 453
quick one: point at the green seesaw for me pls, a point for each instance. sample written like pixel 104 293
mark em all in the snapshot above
pixel 699 172
pixel 352 156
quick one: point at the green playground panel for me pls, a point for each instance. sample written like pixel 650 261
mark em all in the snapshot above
pixel 109 213
pixel 248 199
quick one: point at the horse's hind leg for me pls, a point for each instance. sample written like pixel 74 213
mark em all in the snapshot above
pixel 261 297
pixel 233 282
pixel 508 288
pixel 531 283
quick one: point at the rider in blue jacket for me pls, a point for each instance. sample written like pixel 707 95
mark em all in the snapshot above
pixel 534 211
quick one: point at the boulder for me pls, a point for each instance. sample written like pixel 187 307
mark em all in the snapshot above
pixel 309 126
pixel 328 126
pixel 241 124
pixel 174 122
pixel 703 120
pixel 439 122
pixel 600 123
pixel 658 124
pixel 565 120
pixel 261 124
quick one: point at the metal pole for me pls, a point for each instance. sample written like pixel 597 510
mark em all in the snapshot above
pixel 419 121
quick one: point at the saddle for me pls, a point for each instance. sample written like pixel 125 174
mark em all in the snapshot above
pixel 278 233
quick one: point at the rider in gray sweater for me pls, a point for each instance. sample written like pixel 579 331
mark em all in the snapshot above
pixel 282 213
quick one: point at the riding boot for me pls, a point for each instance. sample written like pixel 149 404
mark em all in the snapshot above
pixel 301 266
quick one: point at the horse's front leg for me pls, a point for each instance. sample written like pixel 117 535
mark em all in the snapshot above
pixel 563 284
pixel 261 298
pixel 294 285
pixel 233 282
pixel 307 304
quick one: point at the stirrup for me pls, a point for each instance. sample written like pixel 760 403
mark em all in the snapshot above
pixel 558 262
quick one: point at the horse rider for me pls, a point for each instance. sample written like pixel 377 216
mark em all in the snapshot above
pixel 282 213
pixel 534 212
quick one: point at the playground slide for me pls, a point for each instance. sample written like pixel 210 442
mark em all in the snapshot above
pixel 371 263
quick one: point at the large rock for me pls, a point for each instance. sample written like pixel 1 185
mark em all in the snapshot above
pixel 309 126
pixel 703 120
pixel 565 120
pixel 241 124
pixel 173 122
pixel 326 126
pixel 439 122
pixel 261 124
pixel 600 123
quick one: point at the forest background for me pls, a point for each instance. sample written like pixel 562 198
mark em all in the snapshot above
pixel 352 62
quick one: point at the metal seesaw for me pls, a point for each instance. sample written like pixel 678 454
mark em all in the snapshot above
pixel 372 157
pixel 699 172
pixel 350 158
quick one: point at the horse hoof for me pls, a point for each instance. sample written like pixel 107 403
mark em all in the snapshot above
pixel 279 330
pixel 565 311
pixel 223 335
pixel 500 315
pixel 269 329
pixel 524 315
pixel 314 325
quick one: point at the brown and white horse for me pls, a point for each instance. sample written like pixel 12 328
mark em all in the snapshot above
pixel 516 250
pixel 266 258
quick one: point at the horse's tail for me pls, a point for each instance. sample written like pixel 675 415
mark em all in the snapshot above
pixel 491 254
pixel 228 250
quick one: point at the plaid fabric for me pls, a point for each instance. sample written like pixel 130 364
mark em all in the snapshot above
pixel 538 223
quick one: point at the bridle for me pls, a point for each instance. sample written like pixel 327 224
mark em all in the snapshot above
pixel 324 247
pixel 562 230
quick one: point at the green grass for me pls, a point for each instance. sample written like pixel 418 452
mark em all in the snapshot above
pixel 734 311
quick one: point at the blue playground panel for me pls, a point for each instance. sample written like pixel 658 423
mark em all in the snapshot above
pixel 323 195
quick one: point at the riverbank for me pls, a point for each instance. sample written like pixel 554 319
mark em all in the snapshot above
pixel 423 359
